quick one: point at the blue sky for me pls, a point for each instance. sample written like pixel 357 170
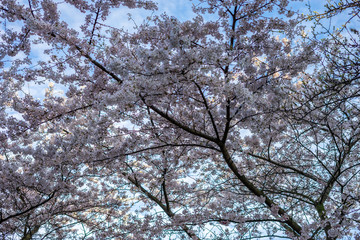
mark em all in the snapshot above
pixel 182 9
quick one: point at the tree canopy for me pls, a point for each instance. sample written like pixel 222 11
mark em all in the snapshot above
pixel 240 123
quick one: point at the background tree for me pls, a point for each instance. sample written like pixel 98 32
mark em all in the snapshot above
pixel 211 128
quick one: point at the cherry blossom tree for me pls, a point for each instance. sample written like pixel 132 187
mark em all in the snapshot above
pixel 230 125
